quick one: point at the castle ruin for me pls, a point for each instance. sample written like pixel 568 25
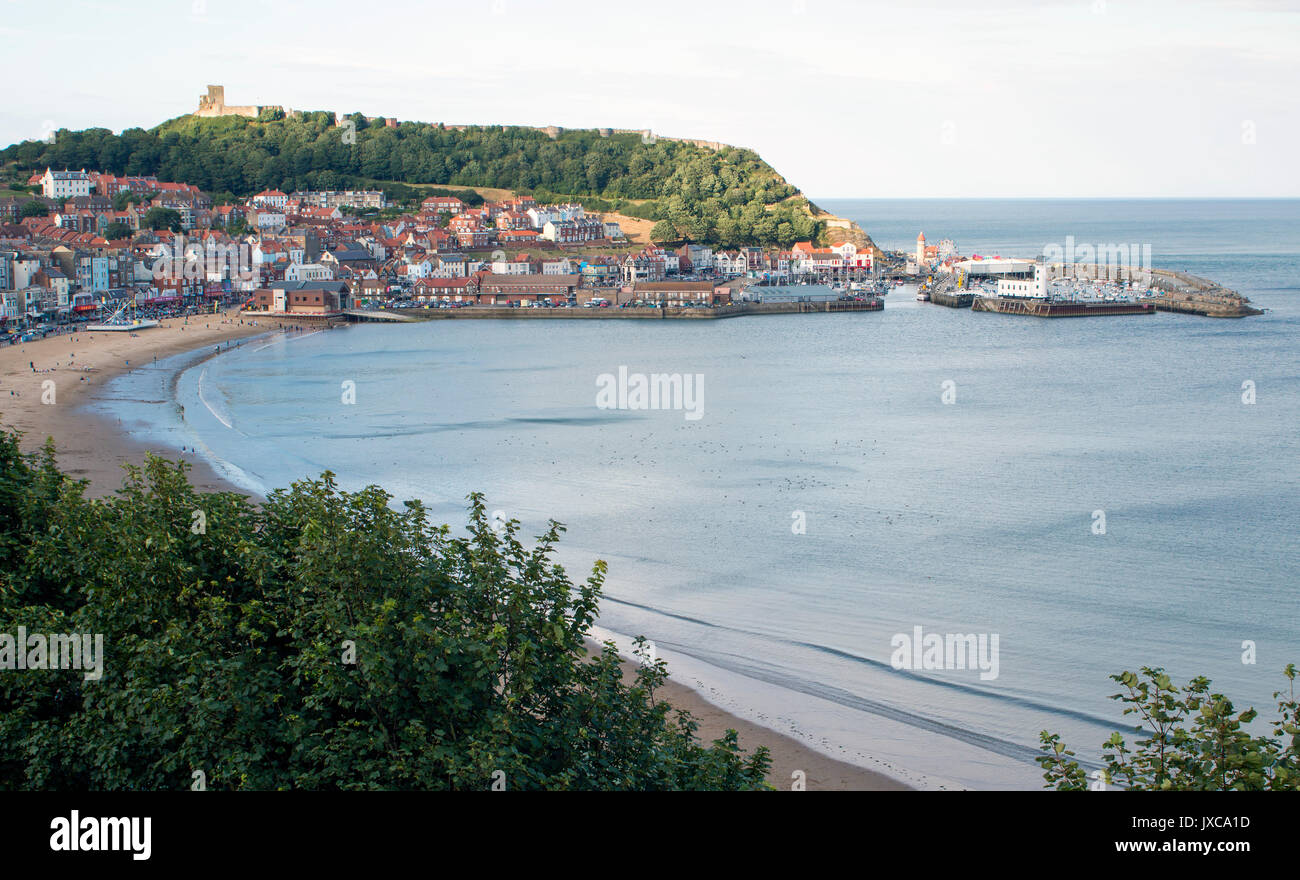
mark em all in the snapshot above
pixel 214 104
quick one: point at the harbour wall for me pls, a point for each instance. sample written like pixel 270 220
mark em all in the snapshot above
pixel 732 310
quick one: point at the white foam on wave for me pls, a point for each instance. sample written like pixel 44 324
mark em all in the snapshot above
pixel 203 399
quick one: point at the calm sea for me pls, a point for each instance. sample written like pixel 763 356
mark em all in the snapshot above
pixel 978 516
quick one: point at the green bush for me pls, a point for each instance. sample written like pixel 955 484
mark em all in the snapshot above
pixel 1214 754
pixel 229 631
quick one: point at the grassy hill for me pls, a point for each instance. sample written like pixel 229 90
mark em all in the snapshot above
pixel 706 193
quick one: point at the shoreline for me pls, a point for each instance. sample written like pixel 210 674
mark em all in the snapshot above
pixel 821 771
pixel 89 446
pixel 93 447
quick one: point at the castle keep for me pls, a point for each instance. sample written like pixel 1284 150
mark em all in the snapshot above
pixel 214 104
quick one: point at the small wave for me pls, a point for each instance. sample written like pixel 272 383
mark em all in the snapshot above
pixel 476 425
pixel 567 420
pixel 218 416
pixel 851 700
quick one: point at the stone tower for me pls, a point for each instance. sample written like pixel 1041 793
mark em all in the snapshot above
pixel 214 101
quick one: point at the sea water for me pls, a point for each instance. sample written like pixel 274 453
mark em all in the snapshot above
pixel 1096 494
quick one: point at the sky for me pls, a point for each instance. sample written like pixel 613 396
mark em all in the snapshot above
pixel 928 99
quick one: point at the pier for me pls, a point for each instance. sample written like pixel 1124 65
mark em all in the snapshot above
pixel 1179 291
pixel 946 290
pixel 1047 308
pixel 1173 292
pixel 376 316
pixel 953 299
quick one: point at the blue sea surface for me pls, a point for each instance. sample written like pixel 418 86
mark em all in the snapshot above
pixel 977 516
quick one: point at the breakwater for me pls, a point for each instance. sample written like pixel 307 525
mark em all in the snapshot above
pixel 953 299
pixel 1175 292
pixel 1178 291
pixel 1046 308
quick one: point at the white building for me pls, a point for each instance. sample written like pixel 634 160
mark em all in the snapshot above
pixel 729 263
pixel 24 270
pixel 512 266
pixel 65 184
pixel 701 256
pixel 557 267
pixel 538 217
pixel 271 198
pixel 270 220
pixel 450 266
pixel 1022 287
pixel 308 272
pixel 852 257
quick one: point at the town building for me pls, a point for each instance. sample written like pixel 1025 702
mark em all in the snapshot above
pixel 308 272
pixel 504 289
pixel 671 292
pixel 271 198
pixel 304 297
pixel 65 184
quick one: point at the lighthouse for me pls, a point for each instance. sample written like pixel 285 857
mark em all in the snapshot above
pixel 920 249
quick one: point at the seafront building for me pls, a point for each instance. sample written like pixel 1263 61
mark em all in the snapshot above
pixel 1034 286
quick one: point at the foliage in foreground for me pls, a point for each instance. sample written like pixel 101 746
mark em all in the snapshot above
pixel 1213 754
pixel 225 648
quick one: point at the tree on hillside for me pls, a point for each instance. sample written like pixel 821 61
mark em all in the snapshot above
pixel 663 231
pixel 117 230
pixel 34 208
pixel 697 188
pixel 163 218
pixel 124 197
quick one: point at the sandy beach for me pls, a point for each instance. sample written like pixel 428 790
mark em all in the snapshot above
pixel 78 365
pixel 821 772
pixel 91 447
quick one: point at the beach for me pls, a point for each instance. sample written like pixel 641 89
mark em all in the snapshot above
pixel 90 447
pixel 93 448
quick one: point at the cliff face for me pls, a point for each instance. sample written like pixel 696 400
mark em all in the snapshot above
pixel 840 230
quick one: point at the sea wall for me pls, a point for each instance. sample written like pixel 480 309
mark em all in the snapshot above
pixel 732 310
pixel 1179 291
